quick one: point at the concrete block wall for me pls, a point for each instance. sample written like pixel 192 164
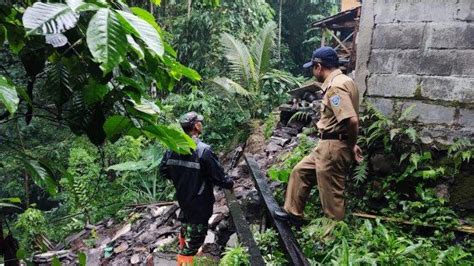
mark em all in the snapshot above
pixel 420 52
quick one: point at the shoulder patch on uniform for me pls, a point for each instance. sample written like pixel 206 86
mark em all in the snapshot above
pixel 335 100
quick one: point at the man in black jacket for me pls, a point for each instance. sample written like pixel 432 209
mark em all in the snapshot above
pixel 194 176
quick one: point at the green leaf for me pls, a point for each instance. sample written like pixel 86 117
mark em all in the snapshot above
pixel 147 107
pixel 147 16
pixel 173 138
pixel 230 86
pixel 41 175
pixel 3 35
pixel 15 38
pixel 407 112
pixel 47 18
pixel 94 92
pixel 82 259
pixel 129 166
pixel 55 261
pixel 135 47
pixel 156 2
pixel 411 133
pixel 8 205
pixel 106 39
pixel 74 4
pixel 21 254
pixel 116 125
pixel 8 95
pixel 11 200
pixel 394 132
pixel 144 30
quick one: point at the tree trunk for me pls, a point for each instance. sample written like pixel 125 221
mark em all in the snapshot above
pixel 190 2
pixel 279 30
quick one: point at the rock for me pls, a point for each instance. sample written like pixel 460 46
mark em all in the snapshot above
pixel 280 141
pixel 135 259
pixel 157 211
pixel 273 147
pixel 442 191
pixel 233 240
pixel 221 209
pixel 285 132
pixel 122 247
pixel 382 163
pixel 125 229
pixel 164 241
pixel 93 256
pixel 215 219
pixel 146 238
pixel 210 237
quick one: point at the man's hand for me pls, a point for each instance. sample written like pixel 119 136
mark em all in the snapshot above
pixel 357 154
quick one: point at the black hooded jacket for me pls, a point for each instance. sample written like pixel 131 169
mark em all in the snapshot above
pixel 194 177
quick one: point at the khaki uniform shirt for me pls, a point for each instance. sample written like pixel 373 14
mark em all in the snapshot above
pixel 340 101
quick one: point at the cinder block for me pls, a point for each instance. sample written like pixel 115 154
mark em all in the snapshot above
pixel 437 62
pixel 392 85
pixel 466 118
pixel 448 89
pixel 408 62
pixel 381 61
pixel 422 10
pixel 384 105
pixel 465 10
pixel 398 36
pixel 429 113
pixel 464 64
pixel 458 35
pixel 384 11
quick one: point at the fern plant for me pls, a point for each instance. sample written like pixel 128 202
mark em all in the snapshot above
pixel 237 256
pixel 461 151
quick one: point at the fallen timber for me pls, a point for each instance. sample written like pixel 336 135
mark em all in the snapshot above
pixel 461 228
pixel 243 230
pixel 286 236
pixel 242 227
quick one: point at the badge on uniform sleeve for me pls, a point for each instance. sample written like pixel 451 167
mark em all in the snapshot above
pixel 335 100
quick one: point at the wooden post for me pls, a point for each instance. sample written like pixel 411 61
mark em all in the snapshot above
pixel 286 236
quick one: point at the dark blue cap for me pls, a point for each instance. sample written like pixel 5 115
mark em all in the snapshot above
pixel 324 55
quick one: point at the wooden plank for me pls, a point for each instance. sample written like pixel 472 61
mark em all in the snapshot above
pixel 286 236
pixel 339 41
pixel 243 229
pixel 463 228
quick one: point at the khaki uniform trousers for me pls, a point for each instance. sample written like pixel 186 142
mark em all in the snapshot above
pixel 327 165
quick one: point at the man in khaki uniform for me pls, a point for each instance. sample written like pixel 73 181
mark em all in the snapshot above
pixel 330 161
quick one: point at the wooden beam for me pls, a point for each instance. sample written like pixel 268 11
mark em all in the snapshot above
pixel 339 41
pixel 463 228
pixel 287 238
pixel 243 229
pixel 347 38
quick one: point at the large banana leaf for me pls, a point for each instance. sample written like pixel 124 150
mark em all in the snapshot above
pixel 173 138
pixel 106 39
pixel 229 86
pixel 8 95
pixel 142 29
pixel 241 64
pixel 262 48
pixel 43 18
